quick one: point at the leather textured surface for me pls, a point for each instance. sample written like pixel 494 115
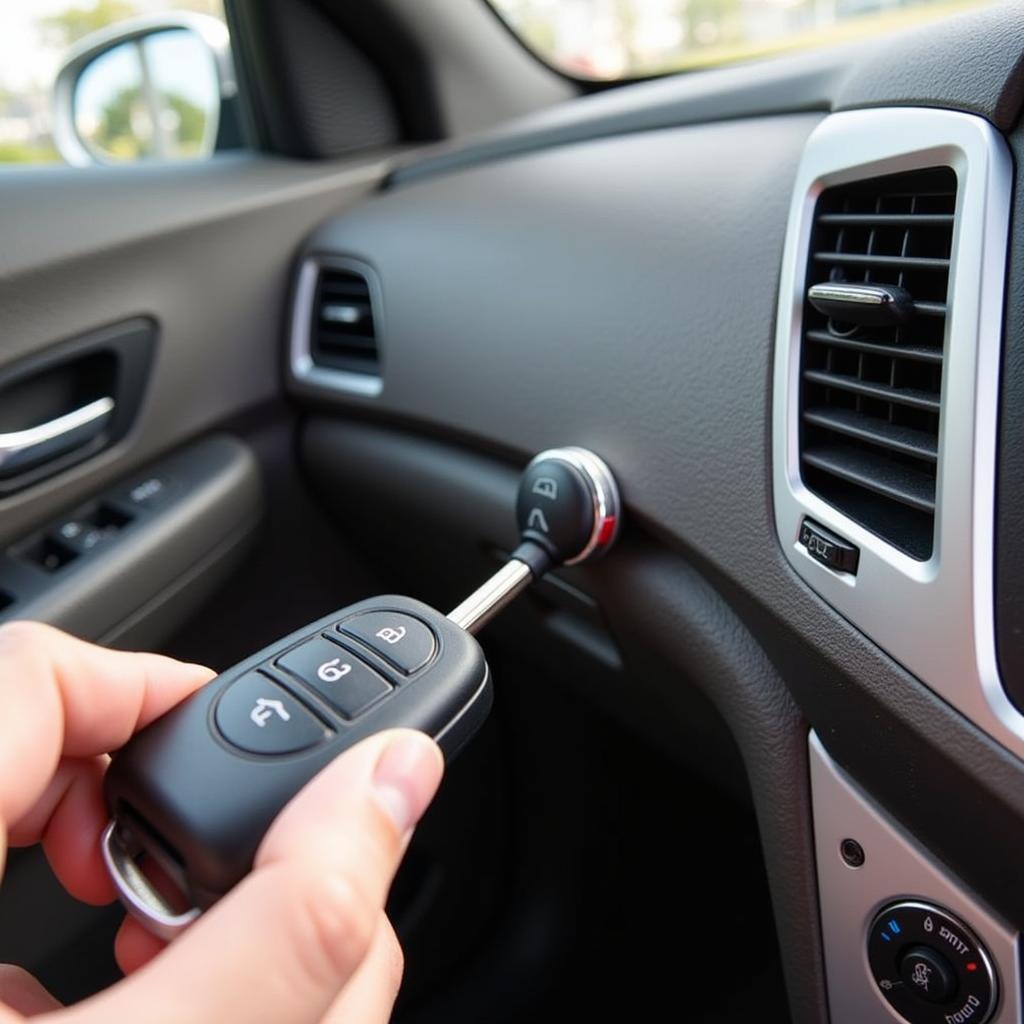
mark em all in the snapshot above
pixel 972 62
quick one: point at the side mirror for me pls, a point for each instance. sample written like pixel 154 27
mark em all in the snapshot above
pixel 151 88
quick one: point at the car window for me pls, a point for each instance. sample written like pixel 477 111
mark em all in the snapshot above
pixel 622 39
pixel 112 81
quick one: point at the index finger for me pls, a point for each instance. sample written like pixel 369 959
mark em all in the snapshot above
pixel 60 696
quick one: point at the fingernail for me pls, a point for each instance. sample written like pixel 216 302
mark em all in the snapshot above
pixel 406 777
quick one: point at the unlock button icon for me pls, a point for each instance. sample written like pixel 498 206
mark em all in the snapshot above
pixel 400 639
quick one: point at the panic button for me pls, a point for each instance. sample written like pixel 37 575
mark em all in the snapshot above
pixel 400 639
pixel 259 716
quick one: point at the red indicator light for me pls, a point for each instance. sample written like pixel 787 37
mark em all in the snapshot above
pixel 972 967
pixel 607 529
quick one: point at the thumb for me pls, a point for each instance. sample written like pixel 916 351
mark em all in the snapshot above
pixel 284 942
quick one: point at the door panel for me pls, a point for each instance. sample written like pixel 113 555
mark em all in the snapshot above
pixel 203 256
pixel 204 251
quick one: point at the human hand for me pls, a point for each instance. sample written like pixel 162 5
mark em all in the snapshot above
pixel 302 939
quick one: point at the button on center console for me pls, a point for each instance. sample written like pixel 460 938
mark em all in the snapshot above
pixel 338 676
pixel 399 639
pixel 257 715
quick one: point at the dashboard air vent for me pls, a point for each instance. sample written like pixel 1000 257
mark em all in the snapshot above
pixel 872 351
pixel 342 333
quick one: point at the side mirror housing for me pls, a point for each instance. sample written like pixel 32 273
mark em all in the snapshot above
pixel 160 87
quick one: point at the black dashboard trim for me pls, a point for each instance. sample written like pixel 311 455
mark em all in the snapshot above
pixel 972 62
pixel 617 243
pixel 1009 567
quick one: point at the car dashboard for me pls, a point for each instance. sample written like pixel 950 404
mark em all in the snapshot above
pixel 634 272
pixel 783 301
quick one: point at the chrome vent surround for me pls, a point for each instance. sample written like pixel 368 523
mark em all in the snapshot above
pixel 928 605
pixel 337 326
pixel 871 357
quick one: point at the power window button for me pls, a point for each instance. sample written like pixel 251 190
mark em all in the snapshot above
pixel 400 639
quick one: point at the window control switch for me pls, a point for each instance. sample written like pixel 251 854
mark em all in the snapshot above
pixel 86 531
pixel 208 778
pixel 49 553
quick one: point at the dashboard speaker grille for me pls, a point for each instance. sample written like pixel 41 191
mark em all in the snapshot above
pixel 342 333
pixel 870 392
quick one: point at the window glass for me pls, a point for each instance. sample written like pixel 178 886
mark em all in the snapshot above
pixel 616 39
pixel 153 96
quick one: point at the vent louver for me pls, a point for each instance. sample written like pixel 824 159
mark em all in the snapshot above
pixel 871 363
pixel 342 333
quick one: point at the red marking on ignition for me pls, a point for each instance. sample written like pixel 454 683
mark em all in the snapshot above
pixel 606 531
pixel 972 967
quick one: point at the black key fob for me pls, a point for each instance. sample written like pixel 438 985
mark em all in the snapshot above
pixel 197 790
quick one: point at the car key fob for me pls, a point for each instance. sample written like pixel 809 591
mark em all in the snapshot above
pixel 197 789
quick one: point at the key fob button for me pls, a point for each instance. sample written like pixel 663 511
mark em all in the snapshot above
pixel 258 716
pixel 399 639
pixel 337 675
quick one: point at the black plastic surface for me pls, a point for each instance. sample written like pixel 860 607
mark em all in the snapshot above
pixel 333 673
pixel 828 548
pixel 105 566
pixel 210 804
pixel 1009 520
pixel 313 93
pixel 403 641
pixel 554 509
pixel 928 974
pixel 256 715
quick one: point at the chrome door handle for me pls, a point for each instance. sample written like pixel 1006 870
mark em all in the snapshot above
pixel 21 449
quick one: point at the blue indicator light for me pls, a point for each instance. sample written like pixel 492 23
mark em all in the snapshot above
pixel 894 927
pixel 885 935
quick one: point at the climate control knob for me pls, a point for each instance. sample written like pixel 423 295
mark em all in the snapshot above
pixel 929 966
pixel 928 974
